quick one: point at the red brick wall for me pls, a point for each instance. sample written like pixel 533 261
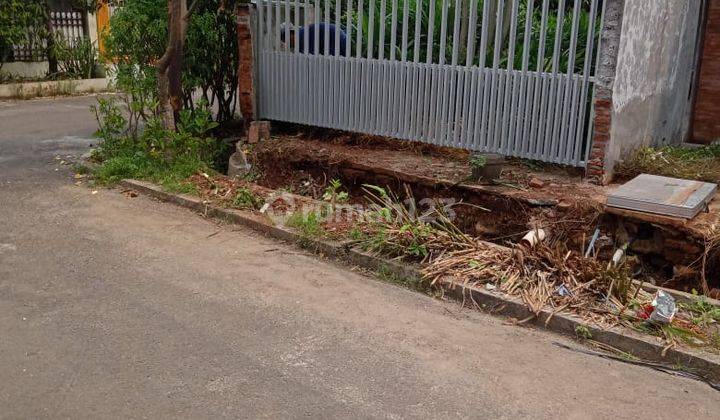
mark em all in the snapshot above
pixel 706 118
pixel 245 66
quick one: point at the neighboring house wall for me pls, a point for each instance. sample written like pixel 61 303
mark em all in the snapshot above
pixel 706 118
pixel 31 62
pixel 651 100
pixel 30 69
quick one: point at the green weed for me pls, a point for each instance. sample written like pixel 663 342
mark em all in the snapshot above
pixel 165 157
pixel 401 229
pixel 700 163
pixel 386 274
pixel 583 332
pixel 478 161
pixel 703 312
pixel 309 225
pixel 246 199
pixel 333 193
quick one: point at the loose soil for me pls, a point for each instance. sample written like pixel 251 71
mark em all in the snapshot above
pixel 528 195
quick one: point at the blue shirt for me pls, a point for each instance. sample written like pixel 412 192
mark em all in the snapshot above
pixel 319 30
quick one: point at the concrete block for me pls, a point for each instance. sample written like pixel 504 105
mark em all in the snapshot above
pixel 491 169
pixel 259 131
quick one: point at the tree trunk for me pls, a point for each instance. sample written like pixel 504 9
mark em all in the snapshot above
pixel 492 22
pixel 50 38
pixel 169 67
pixel 464 26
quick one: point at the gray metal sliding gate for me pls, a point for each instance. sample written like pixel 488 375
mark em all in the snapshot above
pixel 506 76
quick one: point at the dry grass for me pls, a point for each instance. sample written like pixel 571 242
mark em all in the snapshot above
pixel 400 228
pixel 701 163
pixel 545 277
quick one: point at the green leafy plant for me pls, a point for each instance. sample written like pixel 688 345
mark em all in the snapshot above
pixel 703 312
pixel 246 199
pixel 16 17
pixel 383 18
pixel 309 225
pixel 164 156
pixel 137 38
pixel 333 195
pixel 583 331
pixel 397 228
pixel 76 57
pixel 478 161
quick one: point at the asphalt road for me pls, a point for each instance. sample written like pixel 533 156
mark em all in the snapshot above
pixel 120 307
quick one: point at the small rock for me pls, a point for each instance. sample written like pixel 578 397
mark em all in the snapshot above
pixel 490 286
pixel 536 183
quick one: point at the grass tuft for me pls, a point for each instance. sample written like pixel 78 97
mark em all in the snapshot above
pixel 309 225
pixel 700 163
pixel 246 199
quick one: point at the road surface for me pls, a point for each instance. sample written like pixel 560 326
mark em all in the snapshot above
pixel 121 307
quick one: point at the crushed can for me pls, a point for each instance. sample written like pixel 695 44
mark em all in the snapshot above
pixel 664 308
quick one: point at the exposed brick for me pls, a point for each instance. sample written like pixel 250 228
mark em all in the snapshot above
pixel 595 170
pixel 602 104
pixel 600 137
pixel 259 131
pixel 246 89
pixel 706 118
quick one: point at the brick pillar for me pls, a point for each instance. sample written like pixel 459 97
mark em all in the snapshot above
pixel 246 83
pixel 597 170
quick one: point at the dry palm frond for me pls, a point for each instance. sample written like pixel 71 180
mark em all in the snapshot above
pixel 398 228
pixel 543 277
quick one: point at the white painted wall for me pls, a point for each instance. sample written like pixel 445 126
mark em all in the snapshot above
pixel 655 70
pixel 26 69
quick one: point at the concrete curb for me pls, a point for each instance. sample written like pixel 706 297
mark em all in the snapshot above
pixel 636 344
pixel 29 90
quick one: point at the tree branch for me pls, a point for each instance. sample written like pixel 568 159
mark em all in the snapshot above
pixel 164 61
pixel 191 9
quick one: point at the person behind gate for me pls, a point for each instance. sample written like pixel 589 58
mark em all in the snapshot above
pixel 319 30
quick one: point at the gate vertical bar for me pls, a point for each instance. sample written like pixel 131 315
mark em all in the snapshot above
pixel 442 99
pixel 495 95
pixel 552 111
pixel 509 101
pixel 482 138
pixel 583 121
pixel 457 78
pixel 521 147
pixel 538 97
pixel 469 104
pixel 566 116
pixel 416 114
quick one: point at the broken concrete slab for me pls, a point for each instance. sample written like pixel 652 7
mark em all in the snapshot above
pixel 662 195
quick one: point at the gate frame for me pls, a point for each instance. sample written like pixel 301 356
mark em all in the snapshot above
pixel 596 169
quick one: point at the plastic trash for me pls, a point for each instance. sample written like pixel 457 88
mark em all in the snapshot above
pixel 562 290
pixel 664 308
pixel 533 237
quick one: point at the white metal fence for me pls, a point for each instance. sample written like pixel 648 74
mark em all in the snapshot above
pixel 505 76
pixel 69 25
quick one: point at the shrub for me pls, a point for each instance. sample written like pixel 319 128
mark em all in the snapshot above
pixel 76 57
pixel 138 37
pixel 159 155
